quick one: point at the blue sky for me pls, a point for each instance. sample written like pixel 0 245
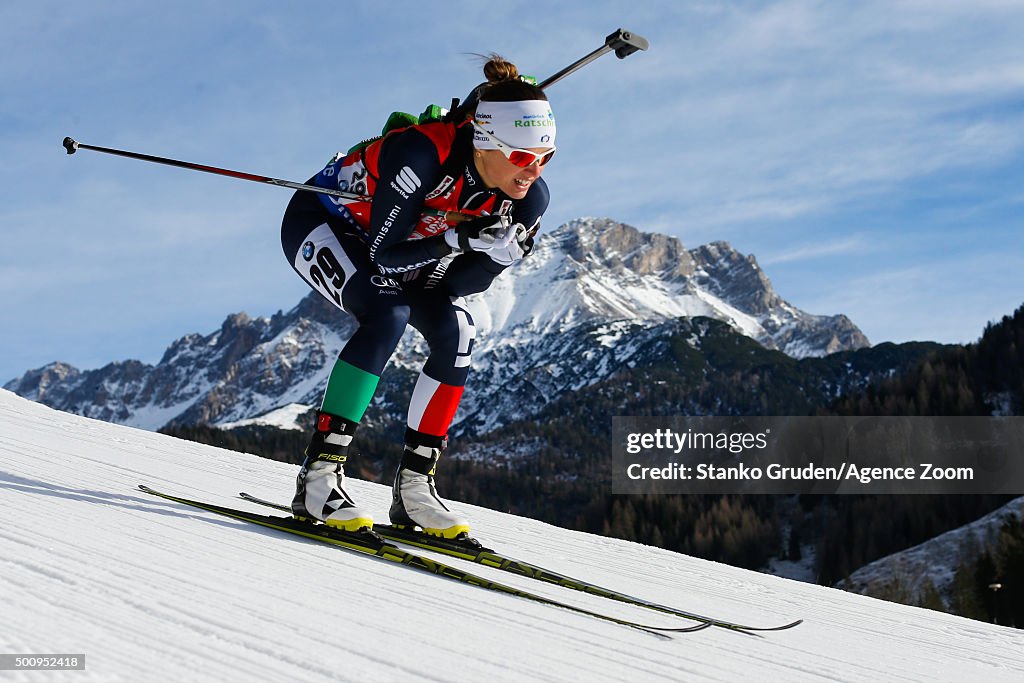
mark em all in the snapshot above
pixel 869 154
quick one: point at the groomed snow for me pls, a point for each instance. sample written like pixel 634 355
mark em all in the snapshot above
pixel 150 590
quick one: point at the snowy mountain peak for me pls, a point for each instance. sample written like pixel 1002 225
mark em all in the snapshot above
pixel 618 247
pixel 597 269
pixel 35 384
pixel 587 281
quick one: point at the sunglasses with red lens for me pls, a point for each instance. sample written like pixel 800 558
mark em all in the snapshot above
pixel 523 158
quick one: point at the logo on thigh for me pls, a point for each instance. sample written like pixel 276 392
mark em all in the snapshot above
pixel 467 335
pixel 386 284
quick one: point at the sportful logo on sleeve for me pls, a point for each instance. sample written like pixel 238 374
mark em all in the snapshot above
pixel 408 180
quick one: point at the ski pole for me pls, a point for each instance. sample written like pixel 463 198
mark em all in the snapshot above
pixel 73 146
pixel 622 42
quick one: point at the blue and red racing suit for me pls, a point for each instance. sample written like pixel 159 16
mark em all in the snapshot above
pixel 387 264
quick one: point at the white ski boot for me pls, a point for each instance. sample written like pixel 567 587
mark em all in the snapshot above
pixel 414 499
pixel 319 490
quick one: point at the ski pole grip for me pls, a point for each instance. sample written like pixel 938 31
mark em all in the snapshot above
pixel 70 145
pixel 622 42
pixel 625 43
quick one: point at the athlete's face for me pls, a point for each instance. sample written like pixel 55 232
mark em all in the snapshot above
pixel 500 173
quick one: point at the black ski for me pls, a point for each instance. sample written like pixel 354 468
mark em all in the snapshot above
pixel 473 551
pixel 369 543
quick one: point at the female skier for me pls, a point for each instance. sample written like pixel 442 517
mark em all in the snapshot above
pixel 395 262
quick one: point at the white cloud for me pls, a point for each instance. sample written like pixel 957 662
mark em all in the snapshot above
pixel 816 250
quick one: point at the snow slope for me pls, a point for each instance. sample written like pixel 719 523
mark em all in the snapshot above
pixel 153 591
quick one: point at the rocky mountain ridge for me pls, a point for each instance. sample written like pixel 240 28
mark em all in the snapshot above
pixel 562 319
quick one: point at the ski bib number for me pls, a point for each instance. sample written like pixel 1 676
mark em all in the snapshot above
pixel 324 264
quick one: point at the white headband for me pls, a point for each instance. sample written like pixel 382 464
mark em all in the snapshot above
pixel 523 124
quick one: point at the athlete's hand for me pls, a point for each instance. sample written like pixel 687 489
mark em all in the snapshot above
pixel 525 236
pixel 516 249
pixel 482 234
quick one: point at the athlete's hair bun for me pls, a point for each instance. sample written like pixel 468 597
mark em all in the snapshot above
pixel 503 84
pixel 499 69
